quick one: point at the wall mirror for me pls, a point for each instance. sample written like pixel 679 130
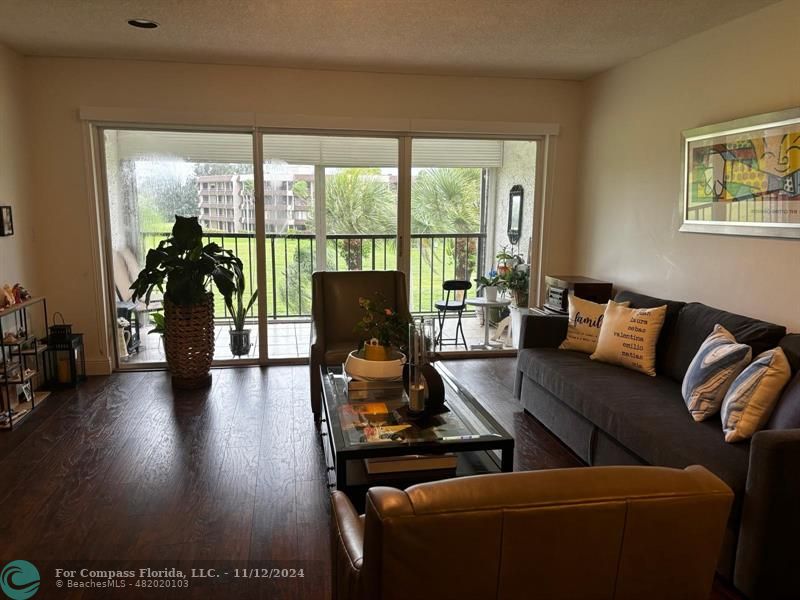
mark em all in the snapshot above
pixel 515 198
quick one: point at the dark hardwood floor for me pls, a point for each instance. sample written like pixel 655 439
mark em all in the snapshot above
pixel 125 473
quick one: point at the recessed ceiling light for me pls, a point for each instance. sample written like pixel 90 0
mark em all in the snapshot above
pixel 142 23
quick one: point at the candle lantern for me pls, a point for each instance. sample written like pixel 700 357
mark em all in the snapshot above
pixel 66 360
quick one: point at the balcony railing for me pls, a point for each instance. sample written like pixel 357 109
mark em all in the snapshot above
pixel 291 259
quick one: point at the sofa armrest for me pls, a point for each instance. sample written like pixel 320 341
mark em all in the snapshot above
pixel 543 331
pixel 539 331
pixel 347 547
pixel 766 554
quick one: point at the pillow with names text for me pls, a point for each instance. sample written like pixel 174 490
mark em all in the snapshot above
pixel 628 337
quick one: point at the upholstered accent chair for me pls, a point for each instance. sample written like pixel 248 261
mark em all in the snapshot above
pixel 335 312
pixel 622 533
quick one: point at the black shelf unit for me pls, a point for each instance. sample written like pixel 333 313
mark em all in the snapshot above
pixel 21 361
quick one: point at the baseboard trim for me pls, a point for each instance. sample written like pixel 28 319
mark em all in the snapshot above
pixel 100 366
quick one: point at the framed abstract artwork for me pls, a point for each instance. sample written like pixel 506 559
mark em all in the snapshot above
pixel 743 177
pixel 6 221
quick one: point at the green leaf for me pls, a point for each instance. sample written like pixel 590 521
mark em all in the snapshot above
pixel 187 233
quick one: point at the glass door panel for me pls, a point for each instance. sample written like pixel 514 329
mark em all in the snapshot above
pixel 152 176
pixel 459 224
pixel 330 204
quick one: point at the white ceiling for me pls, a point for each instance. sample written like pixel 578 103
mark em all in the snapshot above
pixel 565 39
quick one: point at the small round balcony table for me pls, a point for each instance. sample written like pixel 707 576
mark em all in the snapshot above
pixel 486 304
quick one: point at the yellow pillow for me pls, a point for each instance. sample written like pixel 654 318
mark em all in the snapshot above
pixel 585 319
pixel 628 337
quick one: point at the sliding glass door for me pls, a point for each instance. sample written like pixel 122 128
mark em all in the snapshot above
pixel 151 177
pixel 320 202
pixel 461 231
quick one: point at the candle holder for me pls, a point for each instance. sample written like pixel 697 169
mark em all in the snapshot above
pixel 423 383
pixel 416 360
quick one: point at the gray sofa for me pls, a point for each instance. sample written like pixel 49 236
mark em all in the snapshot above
pixel 609 415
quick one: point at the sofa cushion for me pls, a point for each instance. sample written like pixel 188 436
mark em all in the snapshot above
pixel 645 414
pixel 696 322
pixel 791 347
pixel 673 308
pixel 787 412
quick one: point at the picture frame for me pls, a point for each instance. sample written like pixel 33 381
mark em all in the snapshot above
pixel 742 177
pixel 25 391
pixel 6 221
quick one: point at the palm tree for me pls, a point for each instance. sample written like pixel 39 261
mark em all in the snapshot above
pixel 448 200
pixel 359 201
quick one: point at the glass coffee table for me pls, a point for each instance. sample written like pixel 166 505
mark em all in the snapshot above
pixel 375 423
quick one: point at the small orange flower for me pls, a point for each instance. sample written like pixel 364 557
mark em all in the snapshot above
pixel 388 312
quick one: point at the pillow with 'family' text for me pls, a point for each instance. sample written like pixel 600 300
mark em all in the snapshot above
pixel 585 320
pixel 712 371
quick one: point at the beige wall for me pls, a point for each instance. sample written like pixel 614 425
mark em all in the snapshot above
pixel 630 170
pixel 58 87
pixel 17 260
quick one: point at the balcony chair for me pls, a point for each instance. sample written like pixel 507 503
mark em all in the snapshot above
pixel 622 533
pixel 335 312
pixel 457 305
pixel 126 270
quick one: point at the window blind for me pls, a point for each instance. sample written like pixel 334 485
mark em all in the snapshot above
pixel 330 151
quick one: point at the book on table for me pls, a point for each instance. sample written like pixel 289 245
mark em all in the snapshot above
pixel 410 463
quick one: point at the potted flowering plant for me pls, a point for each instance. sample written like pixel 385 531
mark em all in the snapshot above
pixel 490 283
pixel 506 261
pixel 381 328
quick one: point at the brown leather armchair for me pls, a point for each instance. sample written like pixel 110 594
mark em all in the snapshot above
pixel 335 312
pixel 623 533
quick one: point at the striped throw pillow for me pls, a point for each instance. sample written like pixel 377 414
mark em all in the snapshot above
pixel 753 394
pixel 712 371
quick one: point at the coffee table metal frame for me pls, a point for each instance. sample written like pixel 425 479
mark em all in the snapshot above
pixel 338 452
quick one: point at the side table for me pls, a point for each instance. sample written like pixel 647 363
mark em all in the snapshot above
pixel 486 304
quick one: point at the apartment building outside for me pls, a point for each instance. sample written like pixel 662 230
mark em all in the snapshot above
pixel 226 203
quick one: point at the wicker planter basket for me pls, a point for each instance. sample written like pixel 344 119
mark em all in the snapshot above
pixel 189 342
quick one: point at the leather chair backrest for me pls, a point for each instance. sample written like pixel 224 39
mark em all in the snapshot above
pixel 340 291
pixel 604 532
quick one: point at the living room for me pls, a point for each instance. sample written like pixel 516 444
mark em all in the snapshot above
pixel 123 471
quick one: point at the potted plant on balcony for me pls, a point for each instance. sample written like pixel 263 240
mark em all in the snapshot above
pixel 182 267
pixel 239 336
pixel 505 261
pixel 517 281
pixel 490 284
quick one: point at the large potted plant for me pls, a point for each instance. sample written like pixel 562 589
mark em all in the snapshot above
pixel 239 336
pixel 182 268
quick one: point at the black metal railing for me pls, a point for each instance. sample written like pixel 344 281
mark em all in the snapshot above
pixel 291 259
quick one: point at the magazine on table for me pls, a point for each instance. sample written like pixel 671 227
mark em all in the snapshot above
pixel 382 422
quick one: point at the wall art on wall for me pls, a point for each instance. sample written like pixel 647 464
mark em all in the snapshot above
pixel 743 177
pixel 6 221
